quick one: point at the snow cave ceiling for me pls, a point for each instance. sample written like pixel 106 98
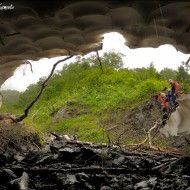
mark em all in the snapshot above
pixel 49 28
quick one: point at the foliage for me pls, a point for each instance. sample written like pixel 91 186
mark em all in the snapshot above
pixel 109 59
pixel 182 75
pixel 88 97
pixel 10 99
pixel 167 73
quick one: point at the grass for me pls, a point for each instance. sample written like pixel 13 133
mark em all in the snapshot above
pixel 87 127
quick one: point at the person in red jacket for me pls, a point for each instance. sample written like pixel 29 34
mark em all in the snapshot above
pixel 175 88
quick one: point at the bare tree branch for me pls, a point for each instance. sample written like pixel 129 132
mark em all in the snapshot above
pixel 28 62
pixel 149 133
pixel 148 138
pixel 99 61
pixel 44 84
pixel 187 62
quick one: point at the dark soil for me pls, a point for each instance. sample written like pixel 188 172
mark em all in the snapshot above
pixel 76 165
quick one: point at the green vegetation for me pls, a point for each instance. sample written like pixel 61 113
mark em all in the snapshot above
pixel 10 99
pixel 82 100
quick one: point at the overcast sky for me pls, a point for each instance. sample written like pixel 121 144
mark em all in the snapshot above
pixel 162 57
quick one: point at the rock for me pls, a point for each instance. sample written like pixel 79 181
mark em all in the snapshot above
pixel 20 183
pixel 48 159
pixel 23 184
pixel 82 177
pixel 46 149
pixel 146 184
pixel 3 159
pixel 67 155
pixel 18 158
pixel 32 157
pixel 105 188
pixel 7 175
pixel 67 180
pixel 60 114
pixel 118 161
pixel 57 144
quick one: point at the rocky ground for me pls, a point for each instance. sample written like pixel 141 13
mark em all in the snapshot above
pixel 66 163
pixel 70 164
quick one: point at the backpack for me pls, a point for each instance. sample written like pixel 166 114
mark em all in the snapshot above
pixel 176 86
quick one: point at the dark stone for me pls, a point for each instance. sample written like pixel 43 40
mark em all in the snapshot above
pixel 3 159
pixel 32 157
pixel 146 163
pixel 82 177
pixel 67 155
pixel 89 156
pixel 48 159
pixel 6 175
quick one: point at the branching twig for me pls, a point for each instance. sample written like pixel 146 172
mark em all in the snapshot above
pixel 148 138
pixel 44 84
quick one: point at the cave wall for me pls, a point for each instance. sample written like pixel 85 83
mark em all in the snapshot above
pixel 38 29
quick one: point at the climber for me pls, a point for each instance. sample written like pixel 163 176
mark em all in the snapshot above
pixel 175 88
pixel 163 100
pixel 169 96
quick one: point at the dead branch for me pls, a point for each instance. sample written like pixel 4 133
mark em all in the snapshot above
pixel 44 84
pixel 187 62
pixel 28 62
pixel 148 138
pixel 149 133
pixel 99 61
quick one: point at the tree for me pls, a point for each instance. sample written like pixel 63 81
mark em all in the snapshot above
pixel 147 73
pixel 109 59
pixel 168 73
pixel 182 74
pixel 112 59
pixel 10 98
